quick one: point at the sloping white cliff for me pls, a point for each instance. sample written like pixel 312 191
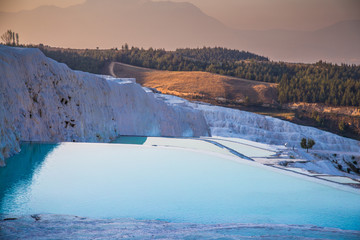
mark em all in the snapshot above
pixel 227 122
pixel 265 129
pixel 43 100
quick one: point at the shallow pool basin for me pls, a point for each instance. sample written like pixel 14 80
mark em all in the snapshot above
pixel 170 183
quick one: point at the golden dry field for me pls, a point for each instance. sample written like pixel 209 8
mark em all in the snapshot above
pixel 200 85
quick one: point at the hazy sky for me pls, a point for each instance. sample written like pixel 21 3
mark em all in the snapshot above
pixel 246 14
pixel 280 14
pixel 18 5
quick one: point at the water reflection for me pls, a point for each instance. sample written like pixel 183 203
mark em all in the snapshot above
pixel 130 140
pixel 21 168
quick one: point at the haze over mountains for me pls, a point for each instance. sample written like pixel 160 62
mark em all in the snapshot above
pixel 304 15
pixel 170 25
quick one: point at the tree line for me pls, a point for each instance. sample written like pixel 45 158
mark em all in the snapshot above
pixel 217 54
pixel 332 84
pixel 10 38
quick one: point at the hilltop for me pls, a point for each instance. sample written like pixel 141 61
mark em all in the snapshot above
pixel 202 86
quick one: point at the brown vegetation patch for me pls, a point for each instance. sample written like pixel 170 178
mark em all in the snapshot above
pixel 201 85
pixel 319 107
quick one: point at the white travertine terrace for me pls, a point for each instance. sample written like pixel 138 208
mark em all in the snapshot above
pixel 43 100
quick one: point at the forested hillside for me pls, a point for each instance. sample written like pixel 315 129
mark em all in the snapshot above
pixel 337 85
pixel 217 54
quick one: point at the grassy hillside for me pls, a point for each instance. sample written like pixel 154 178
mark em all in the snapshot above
pixel 312 83
pixel 207 87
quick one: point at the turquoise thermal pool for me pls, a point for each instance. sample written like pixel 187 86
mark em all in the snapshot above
pixel 184 180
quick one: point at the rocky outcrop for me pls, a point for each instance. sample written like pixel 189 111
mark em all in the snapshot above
pixel 43 100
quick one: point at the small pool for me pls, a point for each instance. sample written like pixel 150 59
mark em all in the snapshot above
pixel 146 181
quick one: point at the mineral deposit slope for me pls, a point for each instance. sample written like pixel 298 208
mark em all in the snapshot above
pixel 43 100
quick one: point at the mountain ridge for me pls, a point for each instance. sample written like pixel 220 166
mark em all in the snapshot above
pixel 172 25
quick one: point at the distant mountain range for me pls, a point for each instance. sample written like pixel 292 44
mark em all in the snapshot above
pixel 170 25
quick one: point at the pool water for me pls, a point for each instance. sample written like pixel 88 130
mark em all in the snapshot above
pixel 148 182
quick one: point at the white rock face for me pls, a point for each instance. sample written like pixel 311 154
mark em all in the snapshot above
pixel 265 129
pixel 43 100
pixel 227 122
